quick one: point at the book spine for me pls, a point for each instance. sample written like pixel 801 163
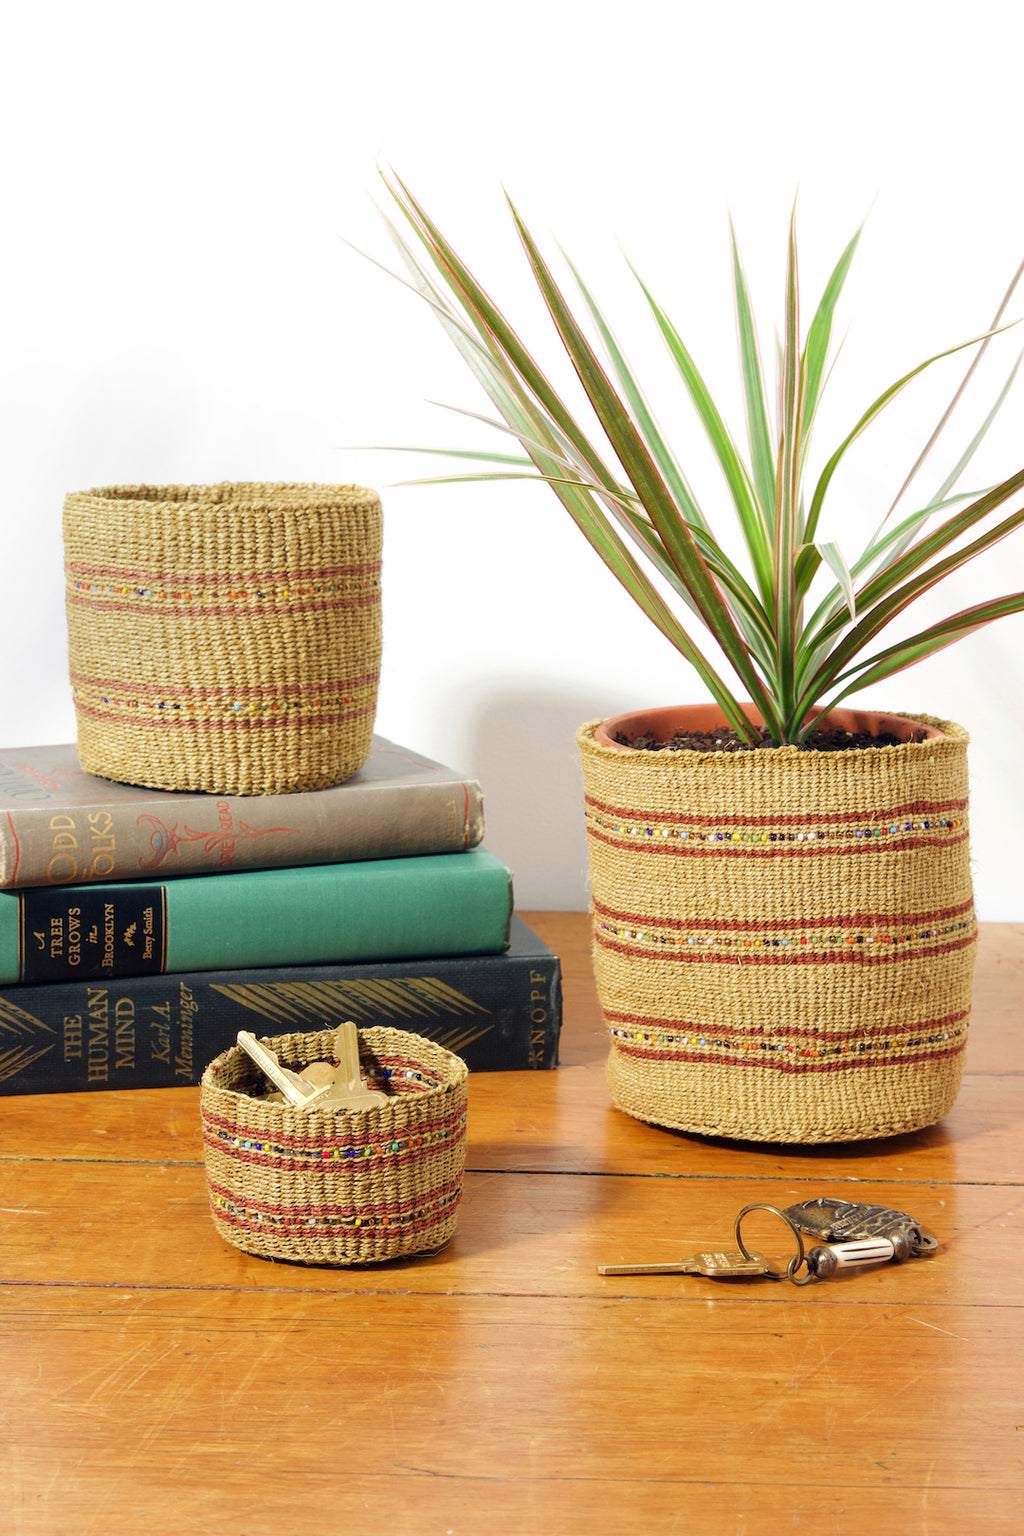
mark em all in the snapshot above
pixel 498 1012
pixel 444 904
pixel 170 836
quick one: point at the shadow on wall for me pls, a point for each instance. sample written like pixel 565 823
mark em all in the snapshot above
pixel 522 745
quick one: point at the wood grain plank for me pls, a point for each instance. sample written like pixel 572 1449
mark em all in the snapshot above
pixel 570 1125
pixel 518 1234
pixel 560 1121
pixel 163 1412
pixel 157 1380
pixel 192 1498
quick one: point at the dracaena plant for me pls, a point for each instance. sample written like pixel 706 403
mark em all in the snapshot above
pixel 626 490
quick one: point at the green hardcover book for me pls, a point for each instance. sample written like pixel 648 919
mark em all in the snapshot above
pixel 380 909
pixel 498 1012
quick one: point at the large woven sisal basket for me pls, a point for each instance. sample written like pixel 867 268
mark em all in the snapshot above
pixel 783 940
pixel 345 1186
pixel 225 637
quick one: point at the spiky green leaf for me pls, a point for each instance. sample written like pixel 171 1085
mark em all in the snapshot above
pixel 639 513
pixel 755 394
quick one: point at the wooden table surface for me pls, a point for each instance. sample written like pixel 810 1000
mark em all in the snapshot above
pixel 157 1381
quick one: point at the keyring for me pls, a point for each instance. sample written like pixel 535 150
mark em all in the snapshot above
pixel 789 1273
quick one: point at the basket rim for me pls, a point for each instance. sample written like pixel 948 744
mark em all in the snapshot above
pixel 453 1069
pixel 254 495
pixel 951 742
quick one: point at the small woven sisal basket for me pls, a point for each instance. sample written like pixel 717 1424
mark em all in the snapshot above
pixel 337 1186
pixel 224 638
pixel 783 941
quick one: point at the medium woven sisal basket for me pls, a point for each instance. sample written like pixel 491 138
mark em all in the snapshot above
pixel 344 1186
pixel 783 941
pixel 224 638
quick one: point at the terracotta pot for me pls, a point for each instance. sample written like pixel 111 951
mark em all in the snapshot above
pixel 783 940
pixel 662 724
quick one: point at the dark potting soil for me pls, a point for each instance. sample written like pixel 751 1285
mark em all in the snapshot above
pixel 726 740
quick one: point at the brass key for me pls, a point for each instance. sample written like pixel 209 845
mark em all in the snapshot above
pixel 346 1088
pixel 297 1092
pixel 320 1085
pixel 728 1264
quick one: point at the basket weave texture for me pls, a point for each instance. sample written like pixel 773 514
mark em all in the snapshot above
pixel 344 1186
pixel 783 941
pixel 224 638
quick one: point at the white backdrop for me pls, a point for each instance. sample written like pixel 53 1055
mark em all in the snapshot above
pixel 179 304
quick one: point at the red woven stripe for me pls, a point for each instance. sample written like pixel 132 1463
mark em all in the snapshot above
pixel 757 1032
pixel 316 1165
pixel 787 924
pixel 226 690
pixel 447 1119
pixel 351 1207
pixel 134 577
pixel 431 1221
pixel 779 1064
pixel 285 719
pixel 427 1223
pixel 358 1207
pixel 912 807
pixel 233 610
pixel 859 954
pixel 779 850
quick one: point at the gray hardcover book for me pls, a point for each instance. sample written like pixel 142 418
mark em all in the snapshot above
pixel 60 825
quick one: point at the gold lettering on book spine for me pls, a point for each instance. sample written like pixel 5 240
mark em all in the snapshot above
pixel 188 1008
pixel 98 1057
pixel 539 1018
pixel 124 1035
pixel 73 859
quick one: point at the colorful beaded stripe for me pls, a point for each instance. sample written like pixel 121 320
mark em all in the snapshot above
pixel 413 1216
pixel 859 937
pixel 110 589
pixel 793 1050
pixel 267 1150
pixel 916 825
pixel 222 707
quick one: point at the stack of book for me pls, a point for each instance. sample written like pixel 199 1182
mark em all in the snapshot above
pixel 140 929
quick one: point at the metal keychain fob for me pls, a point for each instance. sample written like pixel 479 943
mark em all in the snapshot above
pixel 832 1220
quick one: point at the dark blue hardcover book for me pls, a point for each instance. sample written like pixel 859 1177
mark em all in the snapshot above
pixel 498 1012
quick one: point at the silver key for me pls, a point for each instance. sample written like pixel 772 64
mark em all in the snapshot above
pixel 726 1264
